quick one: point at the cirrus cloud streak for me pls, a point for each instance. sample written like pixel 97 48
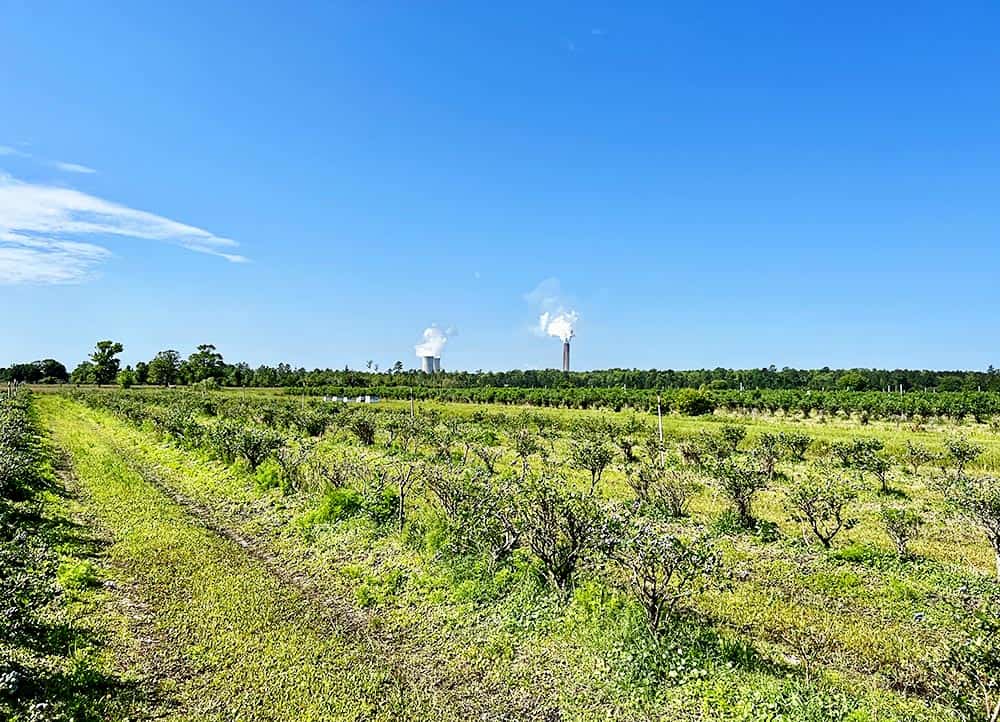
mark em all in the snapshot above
pixel 43 227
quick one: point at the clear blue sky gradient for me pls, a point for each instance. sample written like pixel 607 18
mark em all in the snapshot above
pixel 724 184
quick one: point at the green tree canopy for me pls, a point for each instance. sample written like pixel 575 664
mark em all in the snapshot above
pixel 165 368
pixel 205 363
pixel 105 360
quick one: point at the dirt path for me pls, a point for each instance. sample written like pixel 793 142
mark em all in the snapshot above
pixel 338 616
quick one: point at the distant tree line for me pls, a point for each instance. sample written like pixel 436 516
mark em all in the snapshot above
pixel 206 364
pixel 44 371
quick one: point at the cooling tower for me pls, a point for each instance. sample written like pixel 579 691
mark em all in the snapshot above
pixel 565 355
pixel 427 364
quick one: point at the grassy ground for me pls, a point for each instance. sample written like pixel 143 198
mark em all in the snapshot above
pixel 261 612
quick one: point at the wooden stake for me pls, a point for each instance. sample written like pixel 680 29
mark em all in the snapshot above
pixel 659 422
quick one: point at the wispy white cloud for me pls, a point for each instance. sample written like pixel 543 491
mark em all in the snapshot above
pixel 59 164
pixel 28 260
pixel 72 167
pixel 10 150
pixel 547 295
pixel 40 228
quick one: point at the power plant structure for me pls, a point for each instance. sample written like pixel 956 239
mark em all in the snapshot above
pixel 559 324
pixel 562 326
pixel 429 350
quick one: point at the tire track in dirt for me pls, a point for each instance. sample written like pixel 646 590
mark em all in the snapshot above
pixel 146 653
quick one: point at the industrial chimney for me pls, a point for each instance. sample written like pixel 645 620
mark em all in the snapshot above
pixel 427 364
pixel 565 355
pixel 437 364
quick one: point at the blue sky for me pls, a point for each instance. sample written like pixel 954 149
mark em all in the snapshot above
pixel 725 184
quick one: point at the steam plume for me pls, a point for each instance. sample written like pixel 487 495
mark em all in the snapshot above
pixel 434 341
pixel 561 325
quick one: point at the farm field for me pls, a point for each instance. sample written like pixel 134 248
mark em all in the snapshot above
pixel 255 556
pixel 499 362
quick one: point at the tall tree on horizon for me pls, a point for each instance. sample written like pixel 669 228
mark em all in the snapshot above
pixel 105 360
pixel 165 368
pixel 205 363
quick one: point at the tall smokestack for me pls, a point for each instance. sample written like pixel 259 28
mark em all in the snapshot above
pixel 427 364
pixel 437 364
pixel 561 325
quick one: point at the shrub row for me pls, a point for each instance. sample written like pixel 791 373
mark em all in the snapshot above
pixel 874 404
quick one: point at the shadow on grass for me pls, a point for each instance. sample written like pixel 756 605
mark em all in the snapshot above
pixel 893 492
pixel 81 692
pixel 686 649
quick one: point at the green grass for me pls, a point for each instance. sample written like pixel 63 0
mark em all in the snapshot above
pixel 76 575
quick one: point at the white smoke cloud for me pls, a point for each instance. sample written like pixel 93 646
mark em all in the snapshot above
pixel 561 325
pixel 434 341
pixel 557 316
